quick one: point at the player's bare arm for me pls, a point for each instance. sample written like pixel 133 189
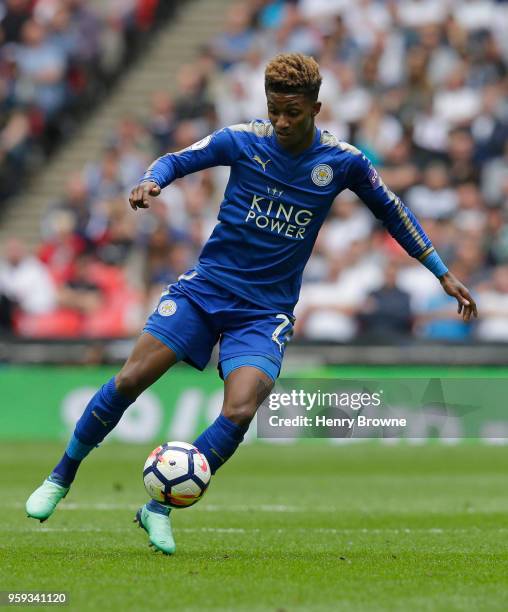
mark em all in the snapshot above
pixel 466 304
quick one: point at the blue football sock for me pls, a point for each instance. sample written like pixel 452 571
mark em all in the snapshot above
pixel 219 441
pixel 64 471
pixel 101 415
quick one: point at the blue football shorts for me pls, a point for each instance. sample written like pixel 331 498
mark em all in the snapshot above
pixel 194 314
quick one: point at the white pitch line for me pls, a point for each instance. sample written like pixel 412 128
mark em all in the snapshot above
pixel 71 506
pixel 233 530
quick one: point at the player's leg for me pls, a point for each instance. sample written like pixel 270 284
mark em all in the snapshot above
pixel 245 389
pixel 147 362
pixel 249 377
pixel 181 322
pixel 177 329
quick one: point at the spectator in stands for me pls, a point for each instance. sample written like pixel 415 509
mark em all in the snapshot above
pixel 60 33
pixel 157 247
pixel 420 85
pixel 241 94
pixel 349 222
pixel 161 122
pixel 434 198
pixel 62 248
pixel 115 245
pixel 493 300
pixel 418 13
pixel 104 178
pixel 13 16
pixel 399 169
pixel 354 100
pixel 81 292
pixel 470 215
pixel 496 236
pixel 495 177
pixel 25 281
pixel 294 35
pixel 437 321
pixel 86 27
pixel 457 103
pixel 99 301
pixel 76 201
pixel 378 132
pixel 41 66
pixel 385 315
pixel 179 258
pixel 134 147
pixel 234 43
pixel 58 58
pixel 327 310
pixel 7 307
pixel 470 258
pixel 192 100
pixel 461 162
pixel 490 126
pixel 15 137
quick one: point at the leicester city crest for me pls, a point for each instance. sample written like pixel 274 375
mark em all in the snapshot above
pixel 167 308
pixel 322 175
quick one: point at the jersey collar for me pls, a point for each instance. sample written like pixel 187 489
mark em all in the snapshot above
pixel 317 138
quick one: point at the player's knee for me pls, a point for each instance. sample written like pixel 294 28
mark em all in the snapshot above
pixel 242 400
pixel 240 412
pixel 130 382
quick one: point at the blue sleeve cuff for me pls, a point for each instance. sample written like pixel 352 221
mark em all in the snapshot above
pixel 146 178
pixel 149 180
pixel 161 171
pixel 435 264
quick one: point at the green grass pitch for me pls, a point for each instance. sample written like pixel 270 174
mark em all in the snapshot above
pixel 307 527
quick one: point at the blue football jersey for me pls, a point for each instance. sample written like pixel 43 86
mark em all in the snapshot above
pixel 275 203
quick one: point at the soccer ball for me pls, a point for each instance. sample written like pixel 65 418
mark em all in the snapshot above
pixel 176 474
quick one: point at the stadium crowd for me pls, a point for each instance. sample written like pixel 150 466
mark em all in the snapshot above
pixel 420 86
pixel 57 59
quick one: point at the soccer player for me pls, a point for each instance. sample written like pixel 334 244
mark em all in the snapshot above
pixel 285 174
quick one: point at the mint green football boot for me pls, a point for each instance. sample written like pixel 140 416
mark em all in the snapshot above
pixel 43 501
pixel 158 528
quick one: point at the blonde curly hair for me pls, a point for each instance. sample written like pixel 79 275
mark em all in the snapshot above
pixel 293 73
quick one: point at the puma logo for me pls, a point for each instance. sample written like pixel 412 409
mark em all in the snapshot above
pixel 261 162
pixel 105 423
pixel 212 450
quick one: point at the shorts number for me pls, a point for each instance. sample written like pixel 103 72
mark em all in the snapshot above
pixel 277 331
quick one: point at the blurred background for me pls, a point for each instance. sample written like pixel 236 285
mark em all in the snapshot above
pixel 92 92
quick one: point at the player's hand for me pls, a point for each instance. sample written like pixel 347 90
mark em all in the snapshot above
pixel 139 194
pixel 453 287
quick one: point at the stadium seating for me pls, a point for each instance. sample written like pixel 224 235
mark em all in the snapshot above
pixel 420 91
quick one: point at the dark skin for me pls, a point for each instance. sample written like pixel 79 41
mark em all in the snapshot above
pixel 466 306
pixel 245 388
pixel 293 119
